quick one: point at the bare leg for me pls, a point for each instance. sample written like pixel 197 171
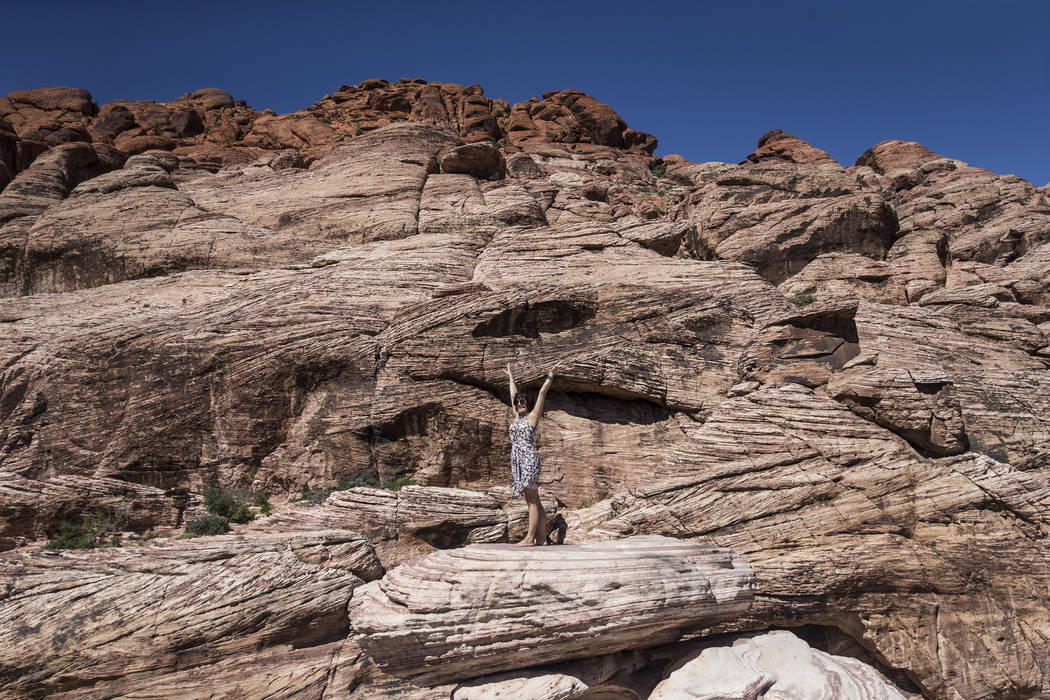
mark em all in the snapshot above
pixel 532 497
pixel 541 522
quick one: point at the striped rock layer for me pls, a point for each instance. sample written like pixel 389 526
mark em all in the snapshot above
pixel 488 608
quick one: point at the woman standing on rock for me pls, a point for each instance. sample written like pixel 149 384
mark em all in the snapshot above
pixel 524 460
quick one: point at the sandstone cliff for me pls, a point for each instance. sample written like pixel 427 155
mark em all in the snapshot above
pixel 794 395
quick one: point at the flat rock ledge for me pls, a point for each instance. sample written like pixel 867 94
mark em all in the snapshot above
pixel 487 608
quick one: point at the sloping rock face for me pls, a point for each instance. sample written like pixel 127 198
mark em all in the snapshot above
pixel 529 606
pixel 813 485
pixel 838 373
pixel 778 216
pixel 177 618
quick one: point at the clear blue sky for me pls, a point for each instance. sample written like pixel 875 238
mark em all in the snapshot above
pixel 967 78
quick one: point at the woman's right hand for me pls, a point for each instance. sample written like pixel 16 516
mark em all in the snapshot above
pixel 509 372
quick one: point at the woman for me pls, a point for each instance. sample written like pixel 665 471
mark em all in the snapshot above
pixel 524 460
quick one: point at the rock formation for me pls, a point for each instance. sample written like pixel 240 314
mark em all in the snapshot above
pixel 834 377
pixel 178 617
pixel 773 666
pixel 528 606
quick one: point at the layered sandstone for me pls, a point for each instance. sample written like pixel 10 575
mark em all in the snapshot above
pixel 180 616
pixel 840 374
pixel 528 606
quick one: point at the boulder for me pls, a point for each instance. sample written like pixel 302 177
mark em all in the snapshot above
pixel 30 509
pixel 848 274
pixel 776 145
pixel 921 407
pixel 892 158
pixel 534 605
pixel 919 259
pixel 772 666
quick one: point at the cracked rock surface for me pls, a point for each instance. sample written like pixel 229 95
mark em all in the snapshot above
pixel 837 374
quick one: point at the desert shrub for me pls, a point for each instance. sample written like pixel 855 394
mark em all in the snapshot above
pixel 314 495
pixel 242 514
pixel 265 509
pixel 658 169
pixel 219 501
pixel 351 481
pixel 398 482
pixel 802 299
pixel 71 536
pixel 207 525
pixel 234 505
pixel 95 529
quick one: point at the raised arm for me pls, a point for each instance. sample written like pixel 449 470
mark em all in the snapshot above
pixel 537 411
pixel 513 388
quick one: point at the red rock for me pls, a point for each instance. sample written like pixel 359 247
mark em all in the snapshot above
pixel 211 98
pixel 271 317
pixel 132 144
pixel 891 158
pixel 571 116
pixel 56 98
pixel 776 145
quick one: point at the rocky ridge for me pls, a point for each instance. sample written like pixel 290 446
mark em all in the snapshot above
pixel 835 377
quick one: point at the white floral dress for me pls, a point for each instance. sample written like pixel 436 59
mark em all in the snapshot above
pixel 524 459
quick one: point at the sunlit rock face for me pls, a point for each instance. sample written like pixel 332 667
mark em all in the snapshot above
pixel 836 375
pixel 534 605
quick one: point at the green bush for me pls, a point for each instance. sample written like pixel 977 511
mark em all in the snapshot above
pixel 974 444
pixel 314 495
pixel 260 499
pixel 398 482
pixel 207 525
pixel 358 131
pixel 355 480
pixel 265 509
pixel 219 501
pixel 658 169
pixel 242 514
pixel 71 536
pixel 96 529
pixel 801 299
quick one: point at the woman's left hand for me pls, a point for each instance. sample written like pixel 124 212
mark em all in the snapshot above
pixel 554 369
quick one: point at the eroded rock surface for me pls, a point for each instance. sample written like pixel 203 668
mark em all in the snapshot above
pixel 841 373
pixel 164 618
pixel 799 486
pixel 543 604
pixel 773 666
